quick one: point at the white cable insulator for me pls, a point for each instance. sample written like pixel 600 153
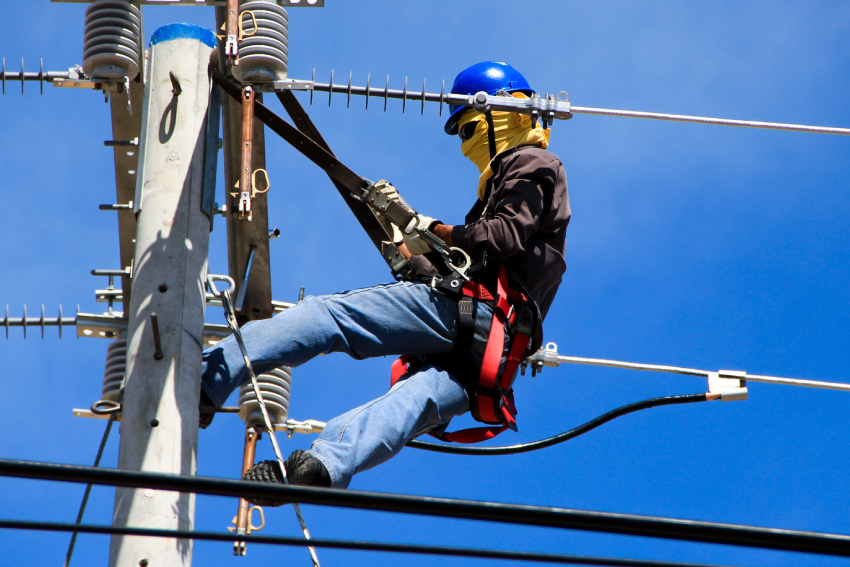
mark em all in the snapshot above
pixel 116 365
pixel 263 55
pixel 113 43
pixel 275 386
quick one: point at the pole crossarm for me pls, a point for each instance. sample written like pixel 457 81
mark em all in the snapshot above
pixel 540 516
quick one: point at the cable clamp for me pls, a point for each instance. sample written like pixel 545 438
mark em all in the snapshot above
pixel 730 384
pixel 546 356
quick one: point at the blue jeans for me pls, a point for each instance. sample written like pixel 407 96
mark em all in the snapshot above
pixel 389 319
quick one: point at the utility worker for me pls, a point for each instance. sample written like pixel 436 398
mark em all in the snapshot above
pixel 515 235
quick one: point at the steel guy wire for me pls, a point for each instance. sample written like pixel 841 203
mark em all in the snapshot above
pixel 230 316
pixel 704 373
pixel 706 120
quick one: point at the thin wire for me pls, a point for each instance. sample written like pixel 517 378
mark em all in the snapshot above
pixel 633 365
pixel 354 545
pixel 231 320
pixel 561 437
pixel 706 120
pixel 82 511
pixel 705 373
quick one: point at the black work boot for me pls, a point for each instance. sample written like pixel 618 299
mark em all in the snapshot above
pixel 205 418
pixel 301 468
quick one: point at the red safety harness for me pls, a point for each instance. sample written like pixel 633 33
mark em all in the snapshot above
pixel 492 398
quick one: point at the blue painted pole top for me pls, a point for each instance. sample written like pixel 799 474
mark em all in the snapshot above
pixel 184 31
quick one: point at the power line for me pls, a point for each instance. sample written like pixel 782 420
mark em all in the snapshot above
pixel 741 375
pixel 561 437
pixel 541 516
pixel 706 120
pixel 355 545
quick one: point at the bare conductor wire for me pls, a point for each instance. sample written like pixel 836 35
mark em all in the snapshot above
pixel 706 120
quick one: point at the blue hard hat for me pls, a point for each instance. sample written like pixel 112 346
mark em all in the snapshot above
pixel 488 76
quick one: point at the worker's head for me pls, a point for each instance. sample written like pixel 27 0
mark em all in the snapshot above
pixel 490 77
pixel 479 143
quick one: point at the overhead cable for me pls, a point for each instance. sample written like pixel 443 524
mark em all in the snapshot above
pixel 87 492
pixel 706 120
pixel 355 545
pixel 541 516
pixel 560 438
pixel 703 373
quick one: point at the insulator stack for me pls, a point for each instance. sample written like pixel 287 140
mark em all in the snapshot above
pixel 116 365
pixel 263 52
pixel 113 40
pixel 275 386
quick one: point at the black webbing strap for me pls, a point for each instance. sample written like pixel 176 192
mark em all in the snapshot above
pixel 466 324
pixel 491 133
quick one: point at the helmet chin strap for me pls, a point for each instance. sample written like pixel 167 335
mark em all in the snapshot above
pixel 491 133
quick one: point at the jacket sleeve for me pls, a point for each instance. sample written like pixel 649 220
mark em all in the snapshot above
pixel 516 214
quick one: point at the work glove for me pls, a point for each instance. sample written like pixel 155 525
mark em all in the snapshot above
pixel 415 243
pixel 392 194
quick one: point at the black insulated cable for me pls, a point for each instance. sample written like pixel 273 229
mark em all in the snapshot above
pixel 561 437
pixel 541 516
pixel 353 545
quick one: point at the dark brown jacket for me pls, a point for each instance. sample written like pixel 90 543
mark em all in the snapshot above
pixel 521 222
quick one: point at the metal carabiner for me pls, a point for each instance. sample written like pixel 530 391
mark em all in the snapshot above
pixel 467 263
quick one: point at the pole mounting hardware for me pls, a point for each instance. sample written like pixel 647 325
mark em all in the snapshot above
pixel 176 89
pixel 157 341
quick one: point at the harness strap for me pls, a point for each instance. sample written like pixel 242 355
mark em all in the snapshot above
pixel 491 133
pixel 466 324
pixel 491 399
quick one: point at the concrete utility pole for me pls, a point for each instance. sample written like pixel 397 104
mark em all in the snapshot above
pixel 159 428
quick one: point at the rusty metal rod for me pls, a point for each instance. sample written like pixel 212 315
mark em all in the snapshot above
pixel 244 209
pixel 242 517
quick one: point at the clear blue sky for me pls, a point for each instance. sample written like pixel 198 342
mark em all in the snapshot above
pixel 700 246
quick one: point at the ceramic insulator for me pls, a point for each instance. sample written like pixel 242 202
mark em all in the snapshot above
pixel 112 46
pixel 116 365
pixel 263 55
pixel 275 386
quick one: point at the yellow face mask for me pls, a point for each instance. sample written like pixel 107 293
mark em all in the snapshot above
pixel 511 130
